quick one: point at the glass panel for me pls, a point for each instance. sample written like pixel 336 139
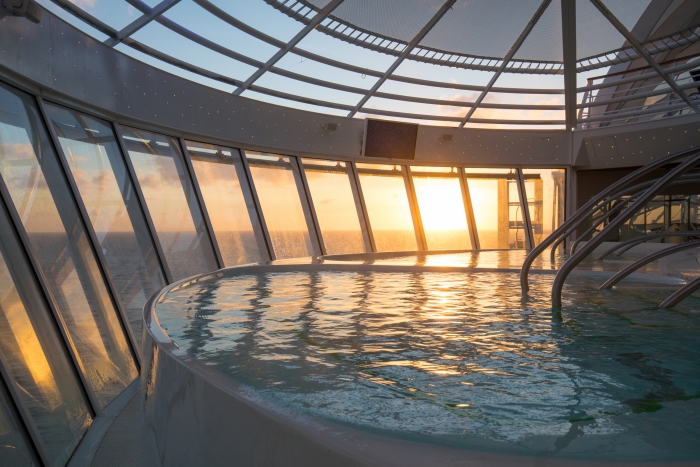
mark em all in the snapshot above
pixel 656 218
pixel 545 189
pixel 15 447
pixel 334 202
pixel 35 356
pixel 389 213
pixel 693 212
pixel 33 175
pixel 664 213
pixel 221 178
pixel 100 173
pixel 425 169
pixel 441 207
pixel 277 185
pixel 172 202
pixel 494 194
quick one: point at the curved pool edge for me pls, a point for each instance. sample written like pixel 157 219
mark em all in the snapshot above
pixel 193 415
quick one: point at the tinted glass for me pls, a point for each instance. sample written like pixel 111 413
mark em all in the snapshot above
pixel 221 178
pixel 172 202
pixel 34 177
pixel 389 213
pixel 15 448
pixel 494 195
pixel 335 205
pixel 100 173
pixel 35 356
pixel 441 208
pixel 545 190
pixel 277 183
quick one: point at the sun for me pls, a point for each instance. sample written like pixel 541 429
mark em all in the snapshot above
pixel 440 203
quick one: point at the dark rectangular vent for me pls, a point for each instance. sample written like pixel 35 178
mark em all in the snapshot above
pixel 391 140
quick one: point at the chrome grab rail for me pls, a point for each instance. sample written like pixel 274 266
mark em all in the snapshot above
pixel 631 243
pixel 615 197
pixel 600 219
pixel 577 257
pixel 646 260
pixel 585 210
pixel 681 293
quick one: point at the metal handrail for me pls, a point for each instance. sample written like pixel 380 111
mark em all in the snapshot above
pixel 577 257
pixel 681 293
pixel 646 260
pixel 584 210
pixel 600 219
pixel 631 243
pixel 616 197
pixel 596 222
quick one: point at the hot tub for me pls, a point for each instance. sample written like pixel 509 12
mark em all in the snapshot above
pixel 413 362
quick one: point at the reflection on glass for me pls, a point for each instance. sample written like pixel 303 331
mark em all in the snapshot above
pixel 545 198
pixel 15 448
pixel 389 213
pixel 334 202
pixel 33 175
pixel 277 185
pixel 36 358
pixel 441 208
pixel 171 201
pixel 497 211
pixel 106 190
pixel 231 209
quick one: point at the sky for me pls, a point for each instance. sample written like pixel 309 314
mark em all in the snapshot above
pixel 258 14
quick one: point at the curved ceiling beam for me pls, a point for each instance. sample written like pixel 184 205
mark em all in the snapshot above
pixel 513 50
pixel 184 32
pixel 404 53
pixel 643 52
pixel 140 22
pixel 355 35
pixel 315 21
pixel 568 34
pixel 241 26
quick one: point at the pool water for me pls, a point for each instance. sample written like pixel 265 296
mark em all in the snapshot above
pixel 459 359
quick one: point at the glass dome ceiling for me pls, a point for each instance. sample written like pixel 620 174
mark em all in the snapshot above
pixel 448 62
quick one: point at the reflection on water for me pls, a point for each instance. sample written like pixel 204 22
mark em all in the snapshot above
pixel 681 265
pixel 456 358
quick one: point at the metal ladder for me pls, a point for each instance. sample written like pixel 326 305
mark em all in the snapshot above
pixel 631 190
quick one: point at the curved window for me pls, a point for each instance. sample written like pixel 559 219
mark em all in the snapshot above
pixel 336 205
pixel 384 190
pixel 105 187
pixel 497 210
pixel 278 186
pixel 41 195
pixel 15 448
pixel 221 178
pixel 545 199
pixel 36 359
pixel 172 202
pixel 441 206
